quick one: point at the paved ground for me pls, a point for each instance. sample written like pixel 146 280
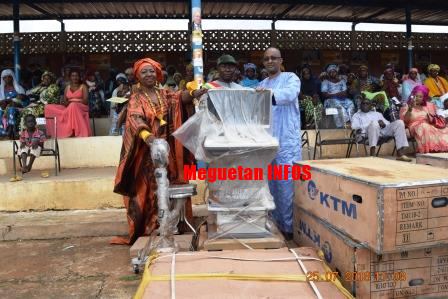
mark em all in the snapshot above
pixel 66 268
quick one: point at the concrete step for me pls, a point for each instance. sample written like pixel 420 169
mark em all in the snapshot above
pixel 72 189
pixel 62 224
pixel 69 223
pixel 83 188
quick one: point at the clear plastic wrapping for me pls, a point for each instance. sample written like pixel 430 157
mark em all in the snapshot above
pixel 234 132
pixel 168 212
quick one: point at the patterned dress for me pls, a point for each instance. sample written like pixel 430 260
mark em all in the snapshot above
pixel 429 138
pixel 135 178
pixel 345 106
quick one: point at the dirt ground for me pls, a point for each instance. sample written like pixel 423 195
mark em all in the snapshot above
pixel 66 268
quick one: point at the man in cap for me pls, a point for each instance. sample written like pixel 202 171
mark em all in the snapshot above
pixel 227 67
pixel 286 127
pixel 437 85
pixel 373 125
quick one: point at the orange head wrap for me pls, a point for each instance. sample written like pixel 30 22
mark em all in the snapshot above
pixel 139 64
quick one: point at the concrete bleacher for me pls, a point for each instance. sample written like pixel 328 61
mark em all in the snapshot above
pixel 88 167
pixel 85 184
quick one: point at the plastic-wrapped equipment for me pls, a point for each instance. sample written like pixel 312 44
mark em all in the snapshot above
pixel 234 131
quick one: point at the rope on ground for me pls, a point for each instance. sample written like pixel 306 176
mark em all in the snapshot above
pixel 302 266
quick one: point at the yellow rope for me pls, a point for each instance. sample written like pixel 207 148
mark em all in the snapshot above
pixel 336 282
pixel 147 278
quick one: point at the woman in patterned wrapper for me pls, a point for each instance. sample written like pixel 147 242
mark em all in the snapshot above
pixel 151 113
pixel 417 114
pixel 47 92
pixel 334 90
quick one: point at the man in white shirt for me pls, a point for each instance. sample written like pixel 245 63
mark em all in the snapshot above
pixel 374 125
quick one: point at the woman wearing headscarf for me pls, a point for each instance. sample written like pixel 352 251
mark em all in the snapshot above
pixel 391 86
pixel 47 92
pixel 12 97
pixel 411 81
pixel 334 90
pixel 417 115
pixel 366 81
pixel 151 113
pixel 263 74
pixel 250 78
pixel 309 97
pixel 436 84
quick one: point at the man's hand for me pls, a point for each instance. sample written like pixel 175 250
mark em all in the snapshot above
pixel 199 92
pixel 260 89
pixel 382 124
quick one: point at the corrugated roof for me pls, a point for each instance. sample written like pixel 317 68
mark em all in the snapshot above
pixel 430 12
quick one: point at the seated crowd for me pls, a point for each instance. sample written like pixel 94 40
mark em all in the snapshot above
pixel 385 105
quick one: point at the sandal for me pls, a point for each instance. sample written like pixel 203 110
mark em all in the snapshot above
pixel 44 174
pixel 16 179
pixel 404 158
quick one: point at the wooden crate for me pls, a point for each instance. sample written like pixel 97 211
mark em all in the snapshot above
pixel 245 274
pixel 183 241
pixel 274 241
pixel 436 160
pixel 386 204
pixel 406 274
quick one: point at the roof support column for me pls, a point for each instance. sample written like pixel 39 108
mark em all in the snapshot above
pixel 62 38
pixel 273 34
pixel 409 38
pixel 353 36
pixel 16 38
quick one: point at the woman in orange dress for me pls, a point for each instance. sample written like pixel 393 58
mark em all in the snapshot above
pixel 72 117
pixel 151 113
pixel 416 115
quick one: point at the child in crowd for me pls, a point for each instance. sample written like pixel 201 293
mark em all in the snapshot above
pixel 31 143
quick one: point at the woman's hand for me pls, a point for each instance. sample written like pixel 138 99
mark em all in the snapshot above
pixel 149 140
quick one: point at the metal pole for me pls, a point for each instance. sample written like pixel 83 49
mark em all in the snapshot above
pixel 353 36
pixel 196 42
pixel 273 34
pixel 409 38
pixel 16 38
